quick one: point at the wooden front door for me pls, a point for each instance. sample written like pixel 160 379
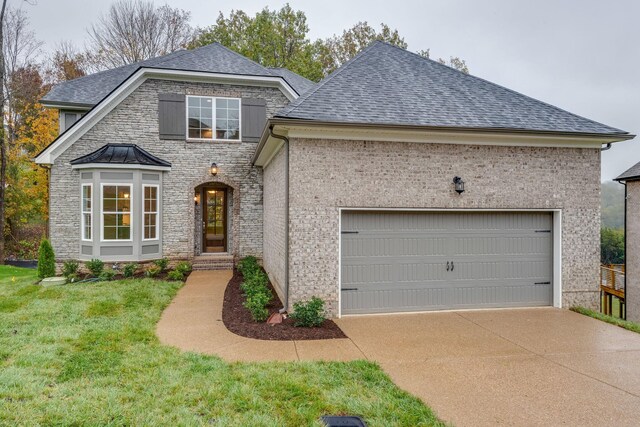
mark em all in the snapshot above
pixel 214 224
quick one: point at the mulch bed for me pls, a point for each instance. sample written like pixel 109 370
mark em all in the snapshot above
pixel 238 319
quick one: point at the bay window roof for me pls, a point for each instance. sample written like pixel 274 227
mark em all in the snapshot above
pixel 121 154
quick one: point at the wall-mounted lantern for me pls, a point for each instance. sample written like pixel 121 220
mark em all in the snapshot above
pixel 459 183
pixel 214 169
pixel 196 199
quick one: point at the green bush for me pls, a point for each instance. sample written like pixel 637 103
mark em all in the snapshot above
pixel 256 304
pixel 152 271
pixel 95 266
pixel 183 267
pixel 308 313
pixel 46 260
pixel 107 275
pixel 162 263
pixel 248 266
pixel 129 270
pixel 176 275
pixel 70 269
pixel 611 246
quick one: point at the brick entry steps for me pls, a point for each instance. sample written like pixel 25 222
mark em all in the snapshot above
pixel 213 262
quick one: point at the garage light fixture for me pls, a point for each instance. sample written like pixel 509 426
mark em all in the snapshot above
pixel 214 169
pixel 459 183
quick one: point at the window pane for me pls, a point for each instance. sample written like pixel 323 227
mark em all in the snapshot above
pixel 194 133
pixel 109 233
pixel 206 123
pixel 221 113
pixel 110 220
pixel 109 192
pixel 221 103
pixel 87 227
pixel 123 233
pixel 233 114
pixel 194 102
pixel 233 104
pixel 109 205
pixel 206 133
pixel 124 205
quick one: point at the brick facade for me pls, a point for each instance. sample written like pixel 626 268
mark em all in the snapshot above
pixel 328 174
pixel 632 257
pixel 135 121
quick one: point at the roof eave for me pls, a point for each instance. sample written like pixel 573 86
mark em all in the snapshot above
pixel 590 139
pixel 64 105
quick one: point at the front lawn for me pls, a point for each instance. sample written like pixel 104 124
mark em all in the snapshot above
pixel 87 354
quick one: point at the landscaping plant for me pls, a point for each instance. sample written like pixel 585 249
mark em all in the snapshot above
pixel 152 271
pixel 257 305
pixel 129 270
pixel 95 266
pixel 184 267
pixel 107 275
pixel 162 264
pixel 46 260
pixel 175 275
pixel 70 269
pixel 308 313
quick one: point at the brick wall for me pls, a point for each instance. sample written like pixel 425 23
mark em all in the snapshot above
pixel 328 174
pixel 274 239
pixel 632 275
pixel 135 120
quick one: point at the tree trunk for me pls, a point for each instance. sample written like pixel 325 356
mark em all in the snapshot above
pixel 3 144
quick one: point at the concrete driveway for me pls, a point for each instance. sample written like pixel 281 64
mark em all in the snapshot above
pixel 508 367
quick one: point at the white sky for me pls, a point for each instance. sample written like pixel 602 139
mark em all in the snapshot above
pixel 582 56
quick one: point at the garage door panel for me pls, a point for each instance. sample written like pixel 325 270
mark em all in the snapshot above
pixel 397 261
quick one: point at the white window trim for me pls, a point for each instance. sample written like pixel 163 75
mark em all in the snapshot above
pixel 83 212
pixel 156 212
pixel 213 118
pixel 131 212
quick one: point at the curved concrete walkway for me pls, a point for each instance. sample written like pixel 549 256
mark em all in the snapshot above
pixel 193 322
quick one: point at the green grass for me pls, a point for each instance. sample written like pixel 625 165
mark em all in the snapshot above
pixel 632 326
pixel 87 354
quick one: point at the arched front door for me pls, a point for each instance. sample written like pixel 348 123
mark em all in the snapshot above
pixel 214 219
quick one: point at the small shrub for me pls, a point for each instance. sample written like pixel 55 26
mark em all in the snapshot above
pixel 248 266
pixel 256 304
pixel 175 275
pixel 152 271
pixel 129 270
pixel 107 275
pixel 254 284
pixel 162 263
pixel 46 260
pixel 69 269
pixel 183 267
pixel 308 313
pixel 95 266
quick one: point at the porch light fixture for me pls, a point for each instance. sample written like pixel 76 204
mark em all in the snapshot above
pixel 214 169
pixel 196 199
pixel 459 183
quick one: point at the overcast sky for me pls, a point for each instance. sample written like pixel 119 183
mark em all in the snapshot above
pixel 583 56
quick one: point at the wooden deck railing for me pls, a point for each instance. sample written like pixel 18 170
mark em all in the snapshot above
pixel 612 286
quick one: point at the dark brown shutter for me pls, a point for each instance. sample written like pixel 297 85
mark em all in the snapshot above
pixel 172 116
pixel 254 117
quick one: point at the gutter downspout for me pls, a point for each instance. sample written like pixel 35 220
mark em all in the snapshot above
pixel 286 218
pixel 625 252
pixel 605 148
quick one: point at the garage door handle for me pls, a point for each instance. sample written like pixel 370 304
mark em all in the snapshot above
pixel 451 265
pixel 542 283
pixel 447 265
pixel 349 289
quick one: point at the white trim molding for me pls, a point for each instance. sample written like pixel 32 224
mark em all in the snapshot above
pixel 99 111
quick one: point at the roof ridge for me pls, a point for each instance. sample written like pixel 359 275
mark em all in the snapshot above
pixel 451 69
pixel 330 77
pixel 241 56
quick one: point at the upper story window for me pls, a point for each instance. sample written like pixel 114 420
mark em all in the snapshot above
pixel 212 118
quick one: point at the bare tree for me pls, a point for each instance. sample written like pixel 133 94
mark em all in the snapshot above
pixel 66 63
pixel 135 30
pixel 3 145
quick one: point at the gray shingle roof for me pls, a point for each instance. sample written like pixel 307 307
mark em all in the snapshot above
pixel 123 154
pixel 633 173
pixel 214 58
pixel 299 83
pixel 385 84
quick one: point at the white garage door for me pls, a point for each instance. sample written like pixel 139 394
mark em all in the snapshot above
pixel 414 261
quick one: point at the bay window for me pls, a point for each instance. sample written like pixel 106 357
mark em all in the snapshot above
pixel 213 118
pixel 116 212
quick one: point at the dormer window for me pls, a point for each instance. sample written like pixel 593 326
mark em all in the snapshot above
pixel 213 118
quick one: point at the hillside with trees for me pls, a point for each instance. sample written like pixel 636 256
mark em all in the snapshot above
pixel 612 215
